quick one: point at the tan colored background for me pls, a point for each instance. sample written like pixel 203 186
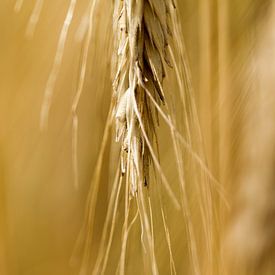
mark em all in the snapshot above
pixel 41 212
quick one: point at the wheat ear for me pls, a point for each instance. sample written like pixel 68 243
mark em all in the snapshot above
pixel 142 32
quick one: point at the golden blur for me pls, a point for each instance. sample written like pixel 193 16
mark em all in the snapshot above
pixel 230 47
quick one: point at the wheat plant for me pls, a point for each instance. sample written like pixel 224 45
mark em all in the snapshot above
pixel 155 150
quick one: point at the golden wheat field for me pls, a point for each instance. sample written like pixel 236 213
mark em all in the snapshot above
pixel 137 137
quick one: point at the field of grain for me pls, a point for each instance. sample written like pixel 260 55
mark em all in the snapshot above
pixel 137 137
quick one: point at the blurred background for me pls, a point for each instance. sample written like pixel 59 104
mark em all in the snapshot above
pixel 230 46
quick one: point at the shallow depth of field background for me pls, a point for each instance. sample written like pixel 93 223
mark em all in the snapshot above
pixel 230 47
